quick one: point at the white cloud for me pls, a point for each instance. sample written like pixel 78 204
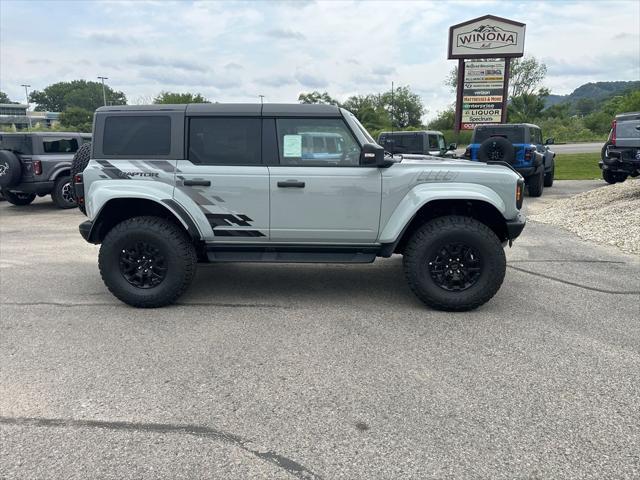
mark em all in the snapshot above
pixel 233 51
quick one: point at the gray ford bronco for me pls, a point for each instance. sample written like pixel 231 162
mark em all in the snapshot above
pixel 38 163
pixel 166 187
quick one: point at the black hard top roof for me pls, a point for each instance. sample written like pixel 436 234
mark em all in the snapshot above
pixel 507 125
pixel 45 134
pixel 235 109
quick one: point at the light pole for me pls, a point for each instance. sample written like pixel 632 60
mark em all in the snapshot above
pixel 104 93
pixel 26 94
pixel 261 99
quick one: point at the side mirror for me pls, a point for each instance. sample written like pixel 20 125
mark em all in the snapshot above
pixel 549 141
pixel 372 155
pixel 452 146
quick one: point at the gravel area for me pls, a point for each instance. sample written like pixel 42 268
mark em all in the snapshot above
pixel 608 215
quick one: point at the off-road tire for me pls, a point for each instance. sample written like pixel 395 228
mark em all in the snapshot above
pixel 549 177
pixel 535 184
pixel 19 199
pixel 61 193
pixel 497 149
pixel 169 239
pixel 430 238
pixel 79 163
pixel 613 177
pixel 10 169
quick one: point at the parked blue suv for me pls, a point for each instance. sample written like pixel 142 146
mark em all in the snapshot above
pixel 520 145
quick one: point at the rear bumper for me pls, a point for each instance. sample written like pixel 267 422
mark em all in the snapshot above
pixel 515 227
pixel 528 171
pixel 39 188
pixel 621 160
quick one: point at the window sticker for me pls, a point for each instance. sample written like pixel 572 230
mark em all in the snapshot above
pixel 292 146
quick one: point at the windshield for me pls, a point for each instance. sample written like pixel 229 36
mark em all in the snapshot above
pixel 362 129
pixel 514 135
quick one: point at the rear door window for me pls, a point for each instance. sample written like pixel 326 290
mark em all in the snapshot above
pixel 146 135
pixel 225 141
pixel 59 145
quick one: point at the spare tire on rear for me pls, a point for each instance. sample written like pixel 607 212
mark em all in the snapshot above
pixel 80 162
pixel 10 169
pixel 497 149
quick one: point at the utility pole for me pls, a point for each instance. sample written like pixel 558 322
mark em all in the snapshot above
pixel 261 99
pixel 104 93
pixel 393 108
pixel 26 94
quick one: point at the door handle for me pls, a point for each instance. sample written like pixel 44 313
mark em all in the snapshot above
pixel 197 183
pixel 291 184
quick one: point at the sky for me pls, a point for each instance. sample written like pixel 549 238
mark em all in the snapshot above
pixel 236 51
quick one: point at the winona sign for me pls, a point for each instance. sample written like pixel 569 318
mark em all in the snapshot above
pixel 486 37
pixel 484 47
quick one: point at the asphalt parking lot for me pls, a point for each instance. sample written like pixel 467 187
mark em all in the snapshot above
pixel 317 371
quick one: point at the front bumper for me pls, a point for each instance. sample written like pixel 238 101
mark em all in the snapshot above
pixel 515 227
pixel 86 229
pixel 39 188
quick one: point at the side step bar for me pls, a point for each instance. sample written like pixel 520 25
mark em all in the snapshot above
pixel 291 254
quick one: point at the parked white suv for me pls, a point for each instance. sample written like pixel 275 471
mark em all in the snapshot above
pixel 167 187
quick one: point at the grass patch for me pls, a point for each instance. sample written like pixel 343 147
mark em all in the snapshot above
pixel 577 166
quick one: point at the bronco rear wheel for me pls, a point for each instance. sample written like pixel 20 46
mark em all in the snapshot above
pixel 454 263
pixel 62 195
pixel 147 262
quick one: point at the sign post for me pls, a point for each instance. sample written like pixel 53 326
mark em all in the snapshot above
pixel 484 48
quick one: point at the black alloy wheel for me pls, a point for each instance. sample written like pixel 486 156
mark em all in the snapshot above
pixel 142 265
pixel 455 267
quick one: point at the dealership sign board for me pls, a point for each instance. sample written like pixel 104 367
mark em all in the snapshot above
pixel 482 93
pixel 487 37
pixel 484 47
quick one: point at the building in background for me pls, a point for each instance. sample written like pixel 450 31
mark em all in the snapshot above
pixel 15 116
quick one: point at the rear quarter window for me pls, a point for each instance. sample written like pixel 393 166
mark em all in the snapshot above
pixel 137 135
pixel 59 145
pixel 17 143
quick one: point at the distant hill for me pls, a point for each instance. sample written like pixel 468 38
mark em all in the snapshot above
pixel 597 91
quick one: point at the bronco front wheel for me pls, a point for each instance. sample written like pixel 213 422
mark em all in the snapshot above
pixel 454 263
pixel 147 262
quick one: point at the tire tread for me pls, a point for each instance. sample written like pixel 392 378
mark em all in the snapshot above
pixel 184 249
pixel 425 235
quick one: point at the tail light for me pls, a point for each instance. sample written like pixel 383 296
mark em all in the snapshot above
pixel 37 167
pixel 519 193
pixel 528 154
pixel 78 188
pixel 614 124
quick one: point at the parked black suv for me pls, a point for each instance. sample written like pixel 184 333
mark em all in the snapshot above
pixel 621 153
pixel 420 142
pixel 38 163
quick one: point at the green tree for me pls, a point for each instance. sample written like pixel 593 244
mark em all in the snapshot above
pixel 369 110
pixel 77 93
pixel 317 97
pixel 76 118
pixel 527 107
pixel 176 98
pixel 404 106
pixel 444 121
pixel 4 98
